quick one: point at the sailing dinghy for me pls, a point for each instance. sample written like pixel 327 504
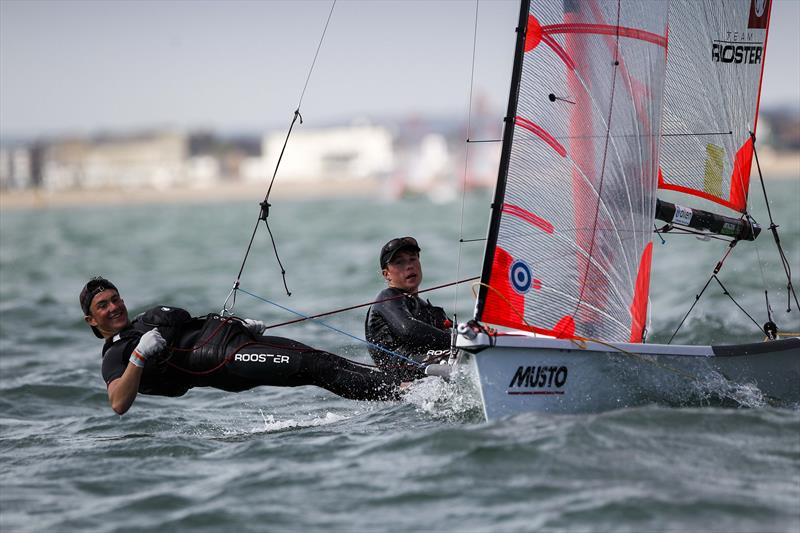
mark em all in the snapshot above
pixel 609 102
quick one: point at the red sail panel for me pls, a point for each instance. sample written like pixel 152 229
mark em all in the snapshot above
pixel 715 62
pixel 640 297
pixel 576 192
pixel 505 305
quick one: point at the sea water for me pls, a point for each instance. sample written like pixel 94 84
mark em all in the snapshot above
pixel 280 459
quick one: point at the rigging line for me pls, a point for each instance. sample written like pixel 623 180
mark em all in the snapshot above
pixel 618 136
pixel 729 295
pixel 696 134
pixel 337 330
pixel 316 54
pixel 675 230
pixel 589 261
pixel 264 212
pixel 725 292
pixel 761 268
pixel 580 342
pixel 774 229
pixel 302 95
pixel 357 306
pixel 696 299
pixel 769 307
pixel 278 258
pixel 466 167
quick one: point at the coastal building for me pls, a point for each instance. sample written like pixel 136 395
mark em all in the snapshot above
pixel 407 157
pixel 16 168
pixel 338 153
pixel 146 160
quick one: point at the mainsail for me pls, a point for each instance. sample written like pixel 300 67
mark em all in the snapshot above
pixel 569 245
pixel 711 94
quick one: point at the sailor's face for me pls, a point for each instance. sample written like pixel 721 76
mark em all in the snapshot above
pixel 404 272
pixel 108 313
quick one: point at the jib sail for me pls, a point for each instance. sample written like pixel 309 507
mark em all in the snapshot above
pixel 568 250
pixel 714 67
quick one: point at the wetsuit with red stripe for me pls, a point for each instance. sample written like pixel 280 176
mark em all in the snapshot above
pixel 222 353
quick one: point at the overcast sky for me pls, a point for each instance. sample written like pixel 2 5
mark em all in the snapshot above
pixel 84 66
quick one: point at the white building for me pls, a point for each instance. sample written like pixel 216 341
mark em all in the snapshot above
pixel 155 160
pixel 337 153
pixel 15 168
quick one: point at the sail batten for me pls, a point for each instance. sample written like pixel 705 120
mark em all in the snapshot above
pixel 572 217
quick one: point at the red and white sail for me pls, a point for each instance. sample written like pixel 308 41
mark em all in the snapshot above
pixel 569 244
pixel 714 67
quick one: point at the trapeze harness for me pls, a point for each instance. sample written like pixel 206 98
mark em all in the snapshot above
pixel 220 352
pixel 406 325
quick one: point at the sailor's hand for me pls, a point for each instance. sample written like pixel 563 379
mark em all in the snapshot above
pixel 256 327
pixel 150 344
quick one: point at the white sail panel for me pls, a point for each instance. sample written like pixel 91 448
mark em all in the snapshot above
pixel 569 244
pixel 714 66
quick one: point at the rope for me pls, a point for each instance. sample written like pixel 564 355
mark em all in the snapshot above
pixel 590 258
pixel 343 309
pixel 580 342
pixel 724 291
pixel 265 205
pixel 466 163
pixel 350 308
pixel 337 330
pixel 774 229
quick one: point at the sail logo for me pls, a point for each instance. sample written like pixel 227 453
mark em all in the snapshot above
pixel 520 276
pixel 749 53
pixel 538 380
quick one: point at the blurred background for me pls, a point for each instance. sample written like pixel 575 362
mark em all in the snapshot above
pixel 195 98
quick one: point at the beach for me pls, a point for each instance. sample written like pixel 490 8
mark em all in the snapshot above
pixel 220 192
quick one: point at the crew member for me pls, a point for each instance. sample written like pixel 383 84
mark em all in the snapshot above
pixel 409 333
pixel 165 351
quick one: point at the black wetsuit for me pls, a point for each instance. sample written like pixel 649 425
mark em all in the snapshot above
pixel 222 353
pixel 409 326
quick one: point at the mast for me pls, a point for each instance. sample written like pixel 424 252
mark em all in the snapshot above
pixel 505 156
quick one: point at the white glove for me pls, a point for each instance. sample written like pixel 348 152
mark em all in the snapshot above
pixel 256 327
pixel 150 344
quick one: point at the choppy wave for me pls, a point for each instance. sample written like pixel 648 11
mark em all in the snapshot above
pixel 302 459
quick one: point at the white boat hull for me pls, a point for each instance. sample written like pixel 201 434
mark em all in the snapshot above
pixel 519 374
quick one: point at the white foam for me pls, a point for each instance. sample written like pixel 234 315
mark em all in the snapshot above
pixel 446 399
pixel 745 394
pixel 272 425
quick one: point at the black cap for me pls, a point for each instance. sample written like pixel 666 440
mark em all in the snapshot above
pixel 394 246
pixel 95 286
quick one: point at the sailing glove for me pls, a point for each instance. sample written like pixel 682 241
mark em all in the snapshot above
pixel 256 327
pixel 150 344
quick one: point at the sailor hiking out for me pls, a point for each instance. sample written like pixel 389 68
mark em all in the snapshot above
pixel 165 351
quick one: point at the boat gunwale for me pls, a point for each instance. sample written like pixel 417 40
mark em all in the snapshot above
pixel 483 342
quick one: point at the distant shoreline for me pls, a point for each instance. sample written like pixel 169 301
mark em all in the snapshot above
pixel 776 167
pixel 222 192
